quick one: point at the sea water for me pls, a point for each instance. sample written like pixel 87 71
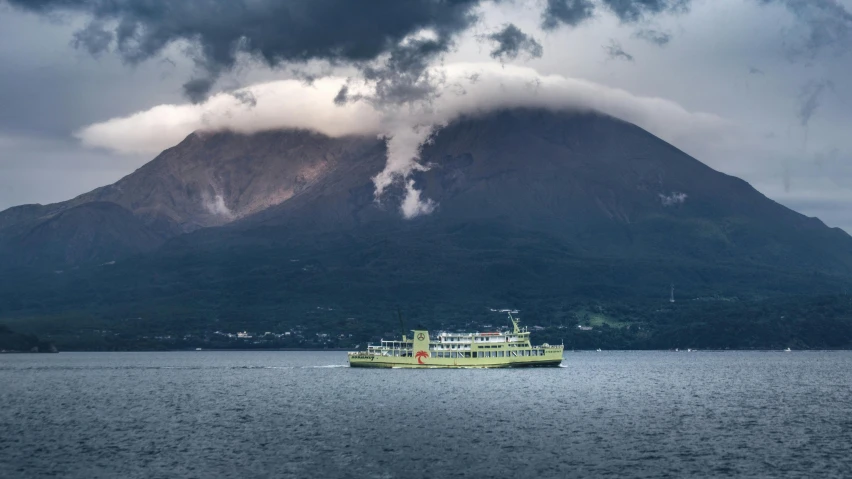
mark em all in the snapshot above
pixel 305 414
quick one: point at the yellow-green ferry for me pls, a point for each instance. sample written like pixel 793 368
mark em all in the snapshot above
pixel 459 350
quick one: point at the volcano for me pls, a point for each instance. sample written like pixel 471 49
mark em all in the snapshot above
pixel 531 207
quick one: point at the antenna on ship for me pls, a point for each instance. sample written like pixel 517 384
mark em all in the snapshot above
pixel 401 322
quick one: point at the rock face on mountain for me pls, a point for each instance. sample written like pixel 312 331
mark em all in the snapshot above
pixel 209 179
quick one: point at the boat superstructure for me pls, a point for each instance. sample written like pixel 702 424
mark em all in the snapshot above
pixel 459 350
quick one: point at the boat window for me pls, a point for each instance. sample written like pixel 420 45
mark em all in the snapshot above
pixel 474 354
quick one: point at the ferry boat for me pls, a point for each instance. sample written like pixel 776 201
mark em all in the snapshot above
pixel 459 350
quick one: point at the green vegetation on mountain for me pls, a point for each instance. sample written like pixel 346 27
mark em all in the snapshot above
pixel 12 342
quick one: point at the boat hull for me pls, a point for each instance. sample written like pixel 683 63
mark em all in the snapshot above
pixel 366 361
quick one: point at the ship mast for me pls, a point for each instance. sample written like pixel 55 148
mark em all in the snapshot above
pixel 514 323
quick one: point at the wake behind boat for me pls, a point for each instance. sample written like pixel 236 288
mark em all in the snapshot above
pixel 460 350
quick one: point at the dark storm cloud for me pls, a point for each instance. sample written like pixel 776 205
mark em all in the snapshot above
pixel 94 38
pixel 245 97
pixel 566 12
pixel 828 25
pixel 511 42
pixel 574 12
pixel 651 35
pixel 404 76
pixel 196 89
pixel 342 96
pixel 636 10
pixel 616 52
pixel 274 31
pixel 810 97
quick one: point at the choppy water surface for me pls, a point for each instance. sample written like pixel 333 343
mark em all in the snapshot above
pixel 304 414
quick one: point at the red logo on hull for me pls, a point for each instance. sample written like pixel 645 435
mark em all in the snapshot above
pixel 420 355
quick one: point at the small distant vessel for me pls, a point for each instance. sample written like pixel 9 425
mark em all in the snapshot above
pixel 460 350
pixel 788 350
pixel 599 350
pixel 198 349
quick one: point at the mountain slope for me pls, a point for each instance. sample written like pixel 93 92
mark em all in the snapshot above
pixel 209 179
pixel 96 232
pixel 538 210
pixel 603 186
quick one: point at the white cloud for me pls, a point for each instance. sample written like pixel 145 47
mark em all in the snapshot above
pixel 413 205
pixel 279 104
pixel 217 206
pixel 469 89
pixel 675 198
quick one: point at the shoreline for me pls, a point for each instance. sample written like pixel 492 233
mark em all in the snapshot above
pixel 348 350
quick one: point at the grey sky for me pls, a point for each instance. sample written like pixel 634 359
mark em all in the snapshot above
pixel 778 70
